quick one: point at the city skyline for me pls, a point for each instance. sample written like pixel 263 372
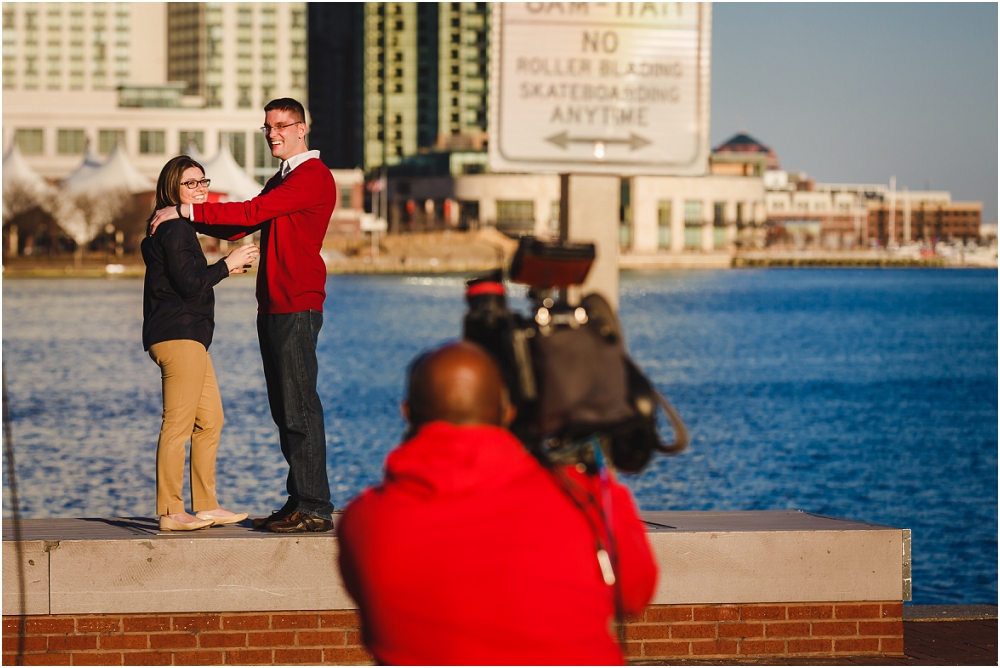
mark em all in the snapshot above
pixel 904 100
pixel 844 93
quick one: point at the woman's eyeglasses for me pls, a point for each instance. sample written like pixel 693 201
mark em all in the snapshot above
pixel 194 184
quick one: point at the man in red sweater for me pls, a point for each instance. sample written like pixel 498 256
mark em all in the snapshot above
pixel 292 214
pixel 471 552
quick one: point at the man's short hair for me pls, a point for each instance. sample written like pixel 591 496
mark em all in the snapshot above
pixel 293 107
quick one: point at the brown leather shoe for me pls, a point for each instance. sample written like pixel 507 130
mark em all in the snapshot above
pixel 262 523
pixel 299 522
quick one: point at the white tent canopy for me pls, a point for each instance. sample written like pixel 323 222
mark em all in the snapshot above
pixel 91 163
pixel 229 178
pixel 17 172
pixel 191 150
pixel 115 174
pixel 23 187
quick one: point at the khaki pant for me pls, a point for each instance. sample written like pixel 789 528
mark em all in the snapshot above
pixel 192 409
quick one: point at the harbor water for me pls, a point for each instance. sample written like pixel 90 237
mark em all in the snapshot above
pixel 864 394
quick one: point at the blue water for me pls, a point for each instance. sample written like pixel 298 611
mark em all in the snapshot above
pixel 867 394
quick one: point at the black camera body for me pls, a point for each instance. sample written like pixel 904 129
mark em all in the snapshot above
pixel 566 366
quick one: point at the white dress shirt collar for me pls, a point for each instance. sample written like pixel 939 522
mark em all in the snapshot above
pixel 288 165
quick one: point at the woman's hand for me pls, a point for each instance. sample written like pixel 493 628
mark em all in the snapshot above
pixel 240 259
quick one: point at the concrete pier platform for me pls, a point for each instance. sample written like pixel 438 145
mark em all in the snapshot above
pixel 119 565
pixel 732 584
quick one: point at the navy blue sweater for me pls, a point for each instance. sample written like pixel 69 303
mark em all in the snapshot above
pixel 178 301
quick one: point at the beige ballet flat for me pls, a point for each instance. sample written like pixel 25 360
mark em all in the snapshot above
pixel 232 519
pixel 167 524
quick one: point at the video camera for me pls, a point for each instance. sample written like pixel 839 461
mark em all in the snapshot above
pixel 565 366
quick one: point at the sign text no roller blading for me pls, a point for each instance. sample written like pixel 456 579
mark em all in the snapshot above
pixel 613 88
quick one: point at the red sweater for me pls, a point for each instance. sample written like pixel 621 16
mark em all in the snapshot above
pixel 469 553
pixel 293 216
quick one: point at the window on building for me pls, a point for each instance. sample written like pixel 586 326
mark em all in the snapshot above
pixel 554 209
pixel 664 212
pixel 196 137
pixel 344 199
pixel 152 142
pixel 70 142
pixel 264 164
pixel 692 212
pixel 237 145
pixel 29 140
pixel 719 214
pixel 693 220
pixel 516 217
pixel 212 97
pixel 107 140
pixel 244 101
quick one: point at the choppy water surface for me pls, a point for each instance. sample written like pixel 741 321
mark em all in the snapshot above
pixel 870 395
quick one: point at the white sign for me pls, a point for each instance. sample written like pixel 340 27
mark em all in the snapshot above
pixel 372 223
pixel 605 87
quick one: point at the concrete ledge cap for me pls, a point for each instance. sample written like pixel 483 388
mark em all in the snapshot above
pixel 126 565
pixel 948 613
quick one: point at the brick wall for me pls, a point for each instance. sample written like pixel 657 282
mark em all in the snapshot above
pixel 753 631
pixel 190 639
pixel 661 632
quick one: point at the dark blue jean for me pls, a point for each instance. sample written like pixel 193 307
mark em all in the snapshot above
pixel 288 350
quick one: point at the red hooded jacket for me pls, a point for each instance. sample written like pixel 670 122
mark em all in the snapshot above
pixel 470 553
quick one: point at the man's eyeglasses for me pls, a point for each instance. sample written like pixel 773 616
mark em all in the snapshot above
pixel 266 129
pixel 194 184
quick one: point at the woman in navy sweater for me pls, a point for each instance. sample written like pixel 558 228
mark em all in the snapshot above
pixel 178 310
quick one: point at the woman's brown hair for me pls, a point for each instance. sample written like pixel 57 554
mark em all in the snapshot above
pixel 168 186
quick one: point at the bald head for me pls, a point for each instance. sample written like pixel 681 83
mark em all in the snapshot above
pixel 457 383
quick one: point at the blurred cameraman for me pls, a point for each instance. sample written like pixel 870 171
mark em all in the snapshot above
pixel 471 552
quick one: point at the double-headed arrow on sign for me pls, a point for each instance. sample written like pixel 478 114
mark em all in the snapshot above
pixel 563 140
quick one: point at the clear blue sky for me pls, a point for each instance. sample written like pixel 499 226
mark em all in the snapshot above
pixel 859 92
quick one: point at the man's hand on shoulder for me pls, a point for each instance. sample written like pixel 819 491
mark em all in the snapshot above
pixel 162 216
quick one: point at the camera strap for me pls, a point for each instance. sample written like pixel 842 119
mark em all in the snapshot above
pixel 607 554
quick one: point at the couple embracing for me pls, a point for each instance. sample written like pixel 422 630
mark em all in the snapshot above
pixel 292 213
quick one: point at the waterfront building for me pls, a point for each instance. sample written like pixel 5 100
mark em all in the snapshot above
pixel 919 216
pixel 154 78
pixel 847 215
pixel 742 155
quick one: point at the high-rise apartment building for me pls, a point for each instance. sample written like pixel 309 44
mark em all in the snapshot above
pixel 70 46
pixel 235 55
pixel 414 74
pixel 149 77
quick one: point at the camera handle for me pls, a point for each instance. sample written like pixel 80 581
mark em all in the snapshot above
pixel 681 436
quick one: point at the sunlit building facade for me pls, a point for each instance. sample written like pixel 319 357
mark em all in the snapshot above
pixel 154 78
pixel 419 71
